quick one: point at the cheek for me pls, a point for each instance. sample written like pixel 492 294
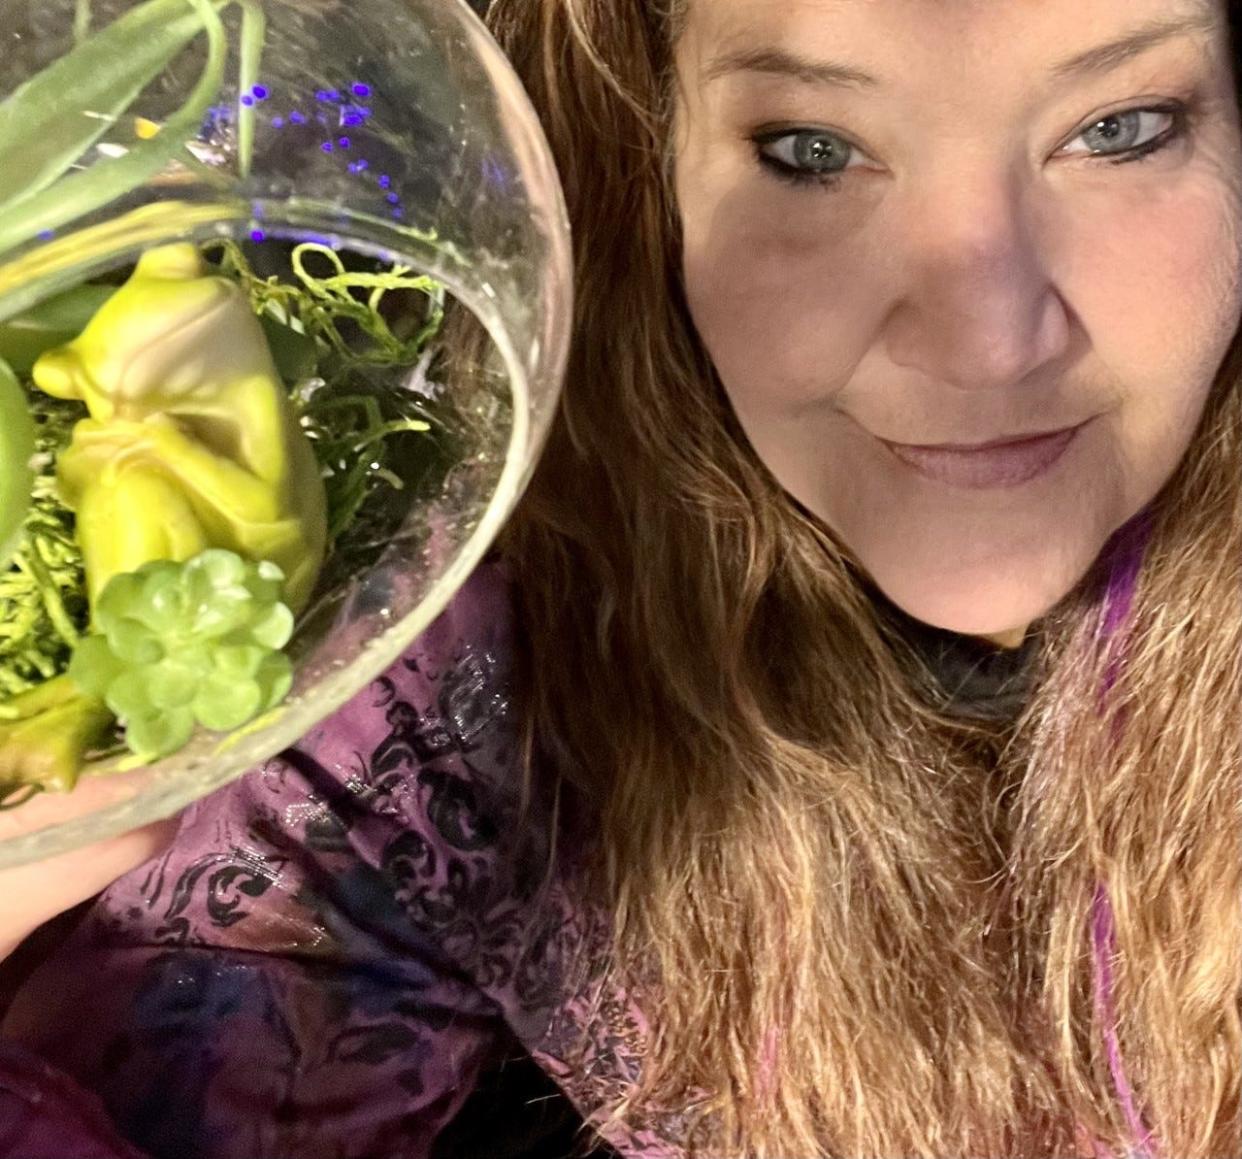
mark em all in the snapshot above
pixel 1157 287
pixel 1155 284
pixel 784 289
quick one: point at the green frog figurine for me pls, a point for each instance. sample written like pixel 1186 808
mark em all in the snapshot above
pixel 191 443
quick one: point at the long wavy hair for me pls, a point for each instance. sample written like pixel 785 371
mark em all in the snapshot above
pixel 862 926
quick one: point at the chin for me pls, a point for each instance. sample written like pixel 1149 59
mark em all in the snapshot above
pixel 995 601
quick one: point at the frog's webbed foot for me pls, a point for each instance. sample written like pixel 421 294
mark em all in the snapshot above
pixel 45 735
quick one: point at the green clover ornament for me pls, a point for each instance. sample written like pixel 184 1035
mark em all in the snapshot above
pixel 180 644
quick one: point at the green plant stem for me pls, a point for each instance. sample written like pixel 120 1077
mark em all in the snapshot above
pixel 253 31
pixel 81 20
pixel 43 130
pixel 80 193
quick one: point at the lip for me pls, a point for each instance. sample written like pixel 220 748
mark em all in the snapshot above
pixel 983 466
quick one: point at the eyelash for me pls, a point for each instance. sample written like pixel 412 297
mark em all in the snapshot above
pixel 1181 125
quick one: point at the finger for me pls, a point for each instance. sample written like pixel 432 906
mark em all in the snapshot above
pixel 33 894
pixel 90 795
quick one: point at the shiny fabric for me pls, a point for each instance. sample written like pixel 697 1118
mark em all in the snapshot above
pixel 338 944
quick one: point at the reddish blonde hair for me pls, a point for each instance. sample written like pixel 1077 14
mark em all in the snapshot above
pixel 941 938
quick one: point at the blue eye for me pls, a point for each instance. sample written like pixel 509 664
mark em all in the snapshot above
pixel 806 152
pixel 1135 131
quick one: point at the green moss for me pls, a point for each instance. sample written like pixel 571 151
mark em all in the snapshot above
pixel 43 606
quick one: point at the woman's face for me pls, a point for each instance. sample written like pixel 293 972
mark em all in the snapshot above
pixel 919 233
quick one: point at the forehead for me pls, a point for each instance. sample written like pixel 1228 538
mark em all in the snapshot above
pixel 894 36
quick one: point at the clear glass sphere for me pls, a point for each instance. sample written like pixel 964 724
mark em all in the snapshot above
pixel 356 169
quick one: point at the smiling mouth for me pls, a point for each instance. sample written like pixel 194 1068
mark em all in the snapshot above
pixel 979 466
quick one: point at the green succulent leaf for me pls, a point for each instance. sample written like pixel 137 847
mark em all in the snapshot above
pixel 129 695
pixel 95 666
pixel 167 605
pixel 17 446
pixel 197 641
pixel 219 569
pixel 274 627
pixel 225 702
pixel 173 684
pixel 159 734
pixel 275 678
pixel 135 642
pixel 124 592
pixel 239 661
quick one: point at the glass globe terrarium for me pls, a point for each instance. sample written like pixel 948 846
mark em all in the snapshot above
pixel 284 294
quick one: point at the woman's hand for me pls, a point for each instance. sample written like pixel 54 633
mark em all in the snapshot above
pixel 33 894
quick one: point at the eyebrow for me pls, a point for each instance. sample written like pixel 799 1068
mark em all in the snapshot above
pixel 776 62
pixel 1117 52
pixel 1102 58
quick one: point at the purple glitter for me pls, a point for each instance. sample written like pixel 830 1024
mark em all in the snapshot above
pixel 384 181
pixel 278 122
pixel 360 90
pixel 46 234
pixel 297 118
pixel 393 199
pixel 326 146
pixel 1125 554
pixel 1104 947
pixel 351 119
pixel 357 166
pixel 257 235
pixel 333 95
pixel 343 142
pixel 247 100
pixel 321 95
pixel 494 171
pixel 1129 548
pixel 260 92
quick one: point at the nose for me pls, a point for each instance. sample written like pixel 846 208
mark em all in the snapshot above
pixel 979 309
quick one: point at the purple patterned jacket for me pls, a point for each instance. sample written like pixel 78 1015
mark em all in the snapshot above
pixel 332 951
